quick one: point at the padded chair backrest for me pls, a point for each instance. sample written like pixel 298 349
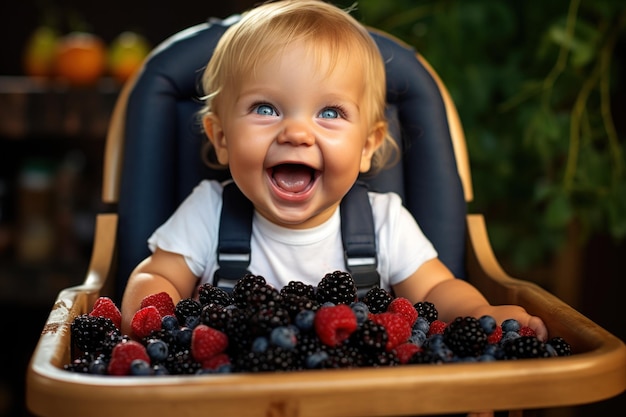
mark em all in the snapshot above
pixel 158 147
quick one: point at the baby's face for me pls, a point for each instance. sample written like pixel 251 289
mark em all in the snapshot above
pixel 295 136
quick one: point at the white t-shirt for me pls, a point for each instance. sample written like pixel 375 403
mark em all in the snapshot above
pixel 281 255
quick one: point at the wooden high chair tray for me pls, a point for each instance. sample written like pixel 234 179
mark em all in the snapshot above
pixel 596 371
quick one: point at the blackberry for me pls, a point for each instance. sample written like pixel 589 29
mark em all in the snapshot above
pixel 561 347
pixel 427 310
pixel 298 288
pixel 210 294
pixel 370 338
pixel 187 307
pixel 465 337
pixel 525 347
pixel 382 359
pixel 263 296
pixel 181 363
pixel 79 365
pixel 295 303
pixel 337 287
pixel 308 344
pixel 238 331
pixel 262 321
pixel 343 357
pixel 377 299
pixel 273 359
pixel 243 288
pixel 216 316
pixel 94 334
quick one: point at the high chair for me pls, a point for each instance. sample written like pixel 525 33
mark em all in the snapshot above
pixel 153 160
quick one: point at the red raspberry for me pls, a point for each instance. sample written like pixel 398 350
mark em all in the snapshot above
pixel 398 329
pixel 145 321
pixel 495 336
pixel 207 342
pixel 403 307
pixel 334 324
pixel 404 351
pixel 162 301
pixel 105 307
pixel 527 331
pixel 123 354
pixel 437 327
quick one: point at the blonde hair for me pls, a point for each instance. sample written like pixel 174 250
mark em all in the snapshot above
pixel 265 30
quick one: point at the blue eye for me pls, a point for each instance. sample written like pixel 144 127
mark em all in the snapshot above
pixel 265 110
pixel 329 113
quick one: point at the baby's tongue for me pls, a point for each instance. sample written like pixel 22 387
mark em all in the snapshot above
pixel 292 178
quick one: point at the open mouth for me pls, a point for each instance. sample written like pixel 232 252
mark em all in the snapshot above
pixel 293 178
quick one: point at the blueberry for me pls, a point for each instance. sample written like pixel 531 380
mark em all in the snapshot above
pixel 260 344
pixel 304 320
pixel 139 367
pixel 157 350
pixel 360 311
pixel 192 321
pixel 551 350
pixel 183 337
pixel 421 324
pixel 169 323
pixel 284 337
pixel 488 324
pixel 316 360
pixel 510 325
pixel 510 335
pixel 98 367
pixel 160 370
pixel 418 337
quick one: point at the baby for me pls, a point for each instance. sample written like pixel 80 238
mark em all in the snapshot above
pixel 295 109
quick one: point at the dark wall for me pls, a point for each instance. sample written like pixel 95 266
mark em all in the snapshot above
pixel 155 20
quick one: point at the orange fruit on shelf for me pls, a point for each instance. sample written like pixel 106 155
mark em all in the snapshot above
pixel 126 54
pixel 80 58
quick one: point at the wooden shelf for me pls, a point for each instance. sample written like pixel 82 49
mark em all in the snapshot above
pixel 34 107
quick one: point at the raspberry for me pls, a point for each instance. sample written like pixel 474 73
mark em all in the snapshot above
pixel 526 331
pixel 403 307
pixel 334 324
pixel 105 307
pixel 124 354
pixel 398 330
pixel 207 342
pixel 145 321
pixel 162 301
pixel 495 336
pixel 405 351
pixel 437 327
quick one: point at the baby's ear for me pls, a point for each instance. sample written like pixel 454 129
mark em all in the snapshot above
pixel 215 133
pixel 372 143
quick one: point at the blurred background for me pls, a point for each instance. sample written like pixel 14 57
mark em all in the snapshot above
pixel 539 87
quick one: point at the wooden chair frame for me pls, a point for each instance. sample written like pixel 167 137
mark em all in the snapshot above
pixel 596 371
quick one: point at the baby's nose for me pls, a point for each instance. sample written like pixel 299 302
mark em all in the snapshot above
pixel 296 133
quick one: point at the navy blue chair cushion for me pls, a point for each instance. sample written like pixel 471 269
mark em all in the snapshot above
pixel 163 140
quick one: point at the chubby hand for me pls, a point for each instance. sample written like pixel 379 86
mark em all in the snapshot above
pixel 503 312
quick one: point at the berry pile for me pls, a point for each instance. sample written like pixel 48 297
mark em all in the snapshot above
pixel 257 328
